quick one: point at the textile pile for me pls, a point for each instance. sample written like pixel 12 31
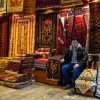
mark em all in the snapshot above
pixel 12 74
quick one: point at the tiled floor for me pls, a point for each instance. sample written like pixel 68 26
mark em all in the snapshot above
pixel 38 91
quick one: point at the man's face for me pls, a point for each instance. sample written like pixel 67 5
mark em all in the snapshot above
pixel 75 43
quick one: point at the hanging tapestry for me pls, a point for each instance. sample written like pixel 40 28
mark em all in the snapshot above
pixel 72 2
pixel 64 27
pixel 46 28
pixel 61 35
pixel 46 3
pixel 15 5
pixel 94 43
pixel 73 23
pixel 29 6
pixel 2 6
pixel 4 36
pixel 79 29
pixel 22 35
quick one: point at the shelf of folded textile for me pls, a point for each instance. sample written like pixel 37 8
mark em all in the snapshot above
pixel 41 72
pixel 86 84
pixel 15 74
pixel 27 65
pixel 41 64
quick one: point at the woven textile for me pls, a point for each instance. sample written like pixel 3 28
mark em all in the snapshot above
pixel 86 83
pixel 88 74
pixel 80 29
pixel 84 86
pixel 2 6
pixel 29 6
pixel 22 35
pixel 46 3
pixel 4 36
pixel 15 5
pixel 94 37
pixel 72 2
pixel 46 28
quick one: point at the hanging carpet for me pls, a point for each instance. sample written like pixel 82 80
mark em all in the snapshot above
pixel 15 5
pixel 22 35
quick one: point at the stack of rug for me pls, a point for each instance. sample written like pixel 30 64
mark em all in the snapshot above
pixel 41 64
pixel 11 73
pixel 14 80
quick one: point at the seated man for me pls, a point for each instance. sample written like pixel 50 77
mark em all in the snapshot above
pixel 75 63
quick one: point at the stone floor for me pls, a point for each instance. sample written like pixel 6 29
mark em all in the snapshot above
pixel 38 91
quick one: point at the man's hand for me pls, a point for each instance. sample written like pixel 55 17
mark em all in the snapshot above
pixel 62 60
pixel 75 66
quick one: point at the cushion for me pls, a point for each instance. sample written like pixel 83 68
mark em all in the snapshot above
pixel 84 86
pixel 88 74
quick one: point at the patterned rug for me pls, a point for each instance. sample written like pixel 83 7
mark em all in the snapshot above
pixel 22 35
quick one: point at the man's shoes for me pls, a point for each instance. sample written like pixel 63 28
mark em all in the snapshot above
pixel 71 92
pixel 67 87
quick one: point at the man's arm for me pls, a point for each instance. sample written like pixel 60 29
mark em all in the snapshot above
pixel 84 59
pixel 85 56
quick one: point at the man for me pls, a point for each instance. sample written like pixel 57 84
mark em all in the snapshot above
pixel 75 63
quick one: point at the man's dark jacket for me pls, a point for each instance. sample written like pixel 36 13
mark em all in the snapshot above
pixel 82 56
